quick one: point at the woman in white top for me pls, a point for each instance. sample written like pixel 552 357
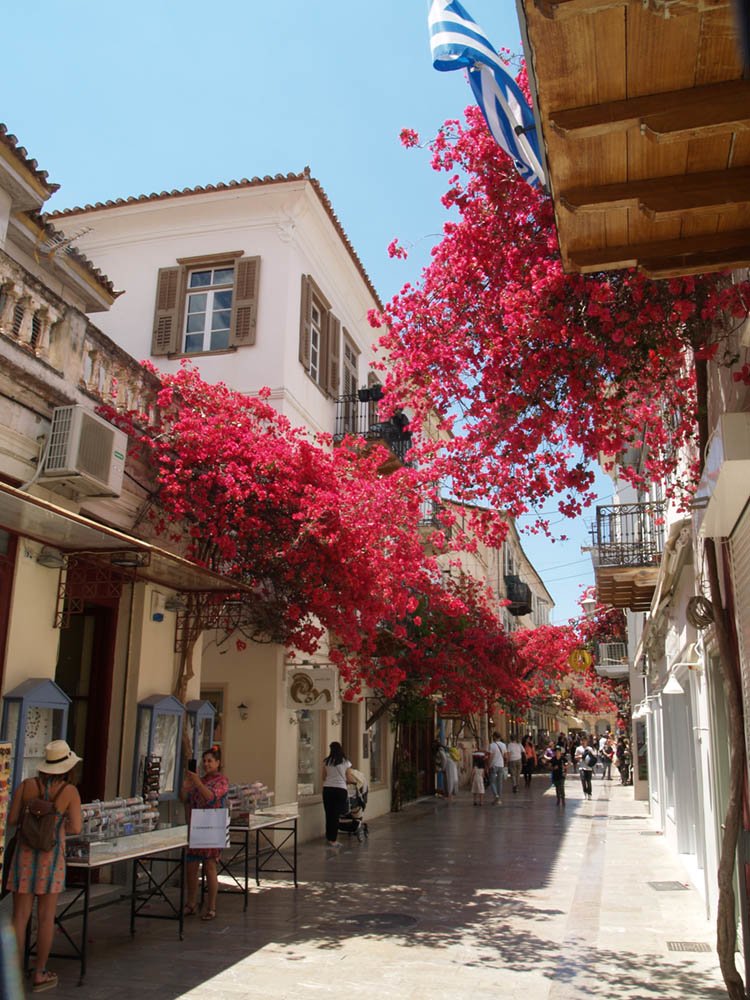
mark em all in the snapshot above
pixel 337 771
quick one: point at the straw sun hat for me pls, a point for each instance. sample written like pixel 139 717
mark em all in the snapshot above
pixel 59 758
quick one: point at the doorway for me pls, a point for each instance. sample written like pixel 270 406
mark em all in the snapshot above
pixel 85 667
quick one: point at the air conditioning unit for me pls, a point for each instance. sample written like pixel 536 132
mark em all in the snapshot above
pixel 85 453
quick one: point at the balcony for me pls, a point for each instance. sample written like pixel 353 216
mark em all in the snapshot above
pixel 519 595
pixel 627 545
pixel 612 659
pixel 357 414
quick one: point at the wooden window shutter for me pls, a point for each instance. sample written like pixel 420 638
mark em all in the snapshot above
pixel 245 303
pixel 166 315
pixel 334 355
pixel 305 318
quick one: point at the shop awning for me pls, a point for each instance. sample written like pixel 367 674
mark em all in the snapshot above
pixel 49 524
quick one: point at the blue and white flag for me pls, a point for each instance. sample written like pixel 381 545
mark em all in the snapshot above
pixel 458 42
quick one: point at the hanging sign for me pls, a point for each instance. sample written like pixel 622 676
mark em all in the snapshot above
pixel 313 689
pixel 580 660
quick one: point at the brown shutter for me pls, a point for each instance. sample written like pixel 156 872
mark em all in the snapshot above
pixel 245 302
pixel 334 355
pixel 305 318
pixel 166 315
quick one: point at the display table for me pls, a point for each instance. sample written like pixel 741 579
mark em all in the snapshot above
pixel 165 847
pixel 257 833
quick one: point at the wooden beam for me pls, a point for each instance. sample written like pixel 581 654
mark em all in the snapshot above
pixel 691 255
pixel 666 117
pixel 557 10
pixel 662 198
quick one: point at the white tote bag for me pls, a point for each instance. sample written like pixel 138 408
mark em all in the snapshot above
pixel 209 828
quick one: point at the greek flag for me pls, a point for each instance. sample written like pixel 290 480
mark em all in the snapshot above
pixel 458 42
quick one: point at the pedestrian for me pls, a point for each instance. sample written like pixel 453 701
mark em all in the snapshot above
pixel 497 753
pixel 337 771
pixel 452 757
pixel 623 760
pixel 441 760
pixel 478 773
pixel 559 770
pixel 586 759
pixel 515 760
pixel 528 764
pixel 208 792
pixel 607 756
pixel 39 873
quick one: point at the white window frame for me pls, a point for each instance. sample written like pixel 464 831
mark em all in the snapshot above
pixel 211 291
pixel 316 342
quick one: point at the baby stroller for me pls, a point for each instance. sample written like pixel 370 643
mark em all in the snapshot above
pixel 351 822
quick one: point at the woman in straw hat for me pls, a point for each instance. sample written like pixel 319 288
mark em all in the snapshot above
pixel 42 873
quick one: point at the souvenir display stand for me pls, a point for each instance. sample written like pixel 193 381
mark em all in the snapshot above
pixel 159 734
pixel 34 714
pixel 118 831
pixel 270 835
pixel 200 722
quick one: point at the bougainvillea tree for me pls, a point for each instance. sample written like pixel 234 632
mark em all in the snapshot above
pixel 532 370
pixel 536 372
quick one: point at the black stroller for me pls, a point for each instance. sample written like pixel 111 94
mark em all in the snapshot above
pixel 352 822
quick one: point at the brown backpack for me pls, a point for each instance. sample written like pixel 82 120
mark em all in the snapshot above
pixel 38 826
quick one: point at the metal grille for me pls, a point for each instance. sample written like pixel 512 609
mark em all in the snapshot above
pixel 95 448
pixel 57 456
pixel 628 534
pixel 688 946
pixel 668 886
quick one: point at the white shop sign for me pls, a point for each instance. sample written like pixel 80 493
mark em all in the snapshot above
pixel 313 689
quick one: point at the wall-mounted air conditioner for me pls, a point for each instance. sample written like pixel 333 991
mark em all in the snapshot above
pixel 84 453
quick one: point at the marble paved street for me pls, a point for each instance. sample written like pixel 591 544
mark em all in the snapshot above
pixel 521 900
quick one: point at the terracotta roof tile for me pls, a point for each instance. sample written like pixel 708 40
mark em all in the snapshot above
pixel 244 182
pixel 10 142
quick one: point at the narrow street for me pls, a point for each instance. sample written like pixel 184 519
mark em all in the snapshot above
pixel 522 900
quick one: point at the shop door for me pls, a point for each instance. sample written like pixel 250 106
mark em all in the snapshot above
pixel 418 769
pixel 84 671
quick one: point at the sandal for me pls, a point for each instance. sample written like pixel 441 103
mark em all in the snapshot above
pixel 190 910
pixel 47 982
pixel 209 915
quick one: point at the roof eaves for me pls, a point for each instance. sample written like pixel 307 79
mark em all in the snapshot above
pixel 244 182
pixel 10 142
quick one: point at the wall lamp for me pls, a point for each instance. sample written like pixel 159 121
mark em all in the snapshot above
pixel 175 603
pixel 51 558
pixel 243 710
pixel 673 686
pixel 129 559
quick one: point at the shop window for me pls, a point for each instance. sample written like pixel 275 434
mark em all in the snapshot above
pixel 376 742
pixel 309 752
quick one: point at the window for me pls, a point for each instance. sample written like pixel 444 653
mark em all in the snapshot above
pixel 206 304
pixel 376 740
pixel 319 338
pixel 209 310
pixel 309 752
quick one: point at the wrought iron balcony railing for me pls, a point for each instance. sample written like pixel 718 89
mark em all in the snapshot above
pixel 629 534
pixel 519 595
pixel 357 414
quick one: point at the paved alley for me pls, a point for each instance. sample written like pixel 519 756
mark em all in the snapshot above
pixel 522 900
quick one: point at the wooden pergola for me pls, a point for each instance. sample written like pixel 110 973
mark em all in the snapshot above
pixel 645 120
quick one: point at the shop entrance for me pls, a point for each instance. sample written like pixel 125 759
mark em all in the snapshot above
pixel 84 671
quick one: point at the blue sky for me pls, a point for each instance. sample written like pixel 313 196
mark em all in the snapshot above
pixel 117 100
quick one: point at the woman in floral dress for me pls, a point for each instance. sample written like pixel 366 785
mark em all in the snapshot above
pixel 210 792
pixel 41 874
